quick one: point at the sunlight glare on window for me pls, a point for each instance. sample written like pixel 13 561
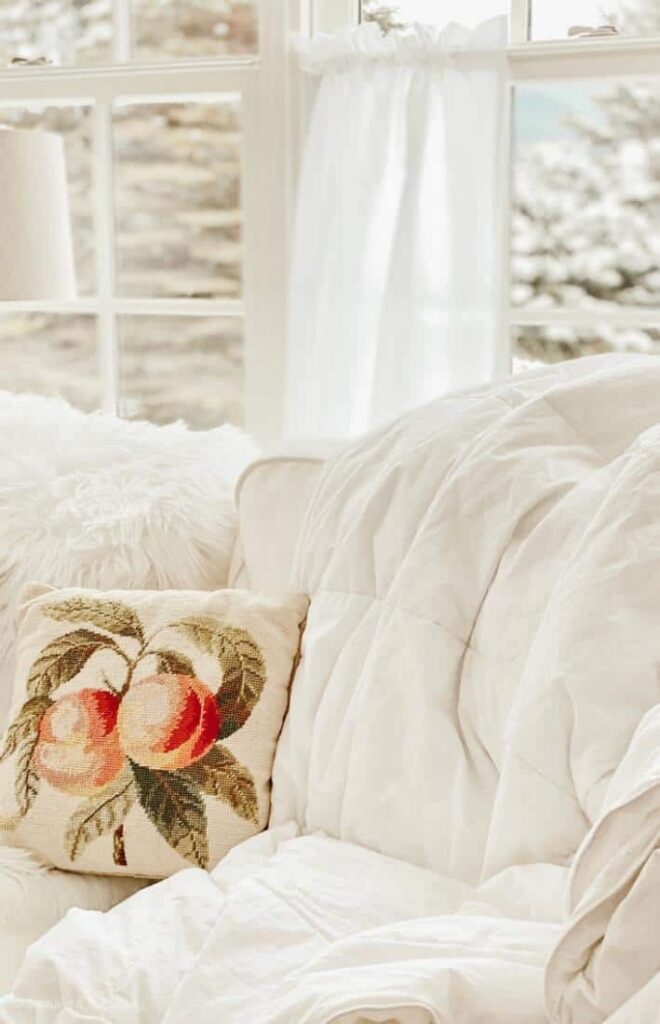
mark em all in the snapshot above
pixel 553 19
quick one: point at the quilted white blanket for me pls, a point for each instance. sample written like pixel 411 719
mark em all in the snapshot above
pixel 466 802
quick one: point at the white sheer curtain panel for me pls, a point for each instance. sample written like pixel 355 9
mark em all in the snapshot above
pixel 397 256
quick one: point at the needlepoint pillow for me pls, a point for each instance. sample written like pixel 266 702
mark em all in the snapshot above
pixel 144 725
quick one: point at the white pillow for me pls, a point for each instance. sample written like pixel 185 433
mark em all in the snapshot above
pixel 95 501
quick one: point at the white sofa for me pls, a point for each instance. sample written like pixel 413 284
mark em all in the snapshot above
pixel 271 500
pixel 466 794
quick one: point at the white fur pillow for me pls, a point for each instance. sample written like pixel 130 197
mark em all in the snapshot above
pixel 95 501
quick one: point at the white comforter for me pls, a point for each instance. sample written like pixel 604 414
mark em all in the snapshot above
pixel 466 803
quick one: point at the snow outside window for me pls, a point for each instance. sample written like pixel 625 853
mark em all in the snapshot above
pixel 157 204
pixel 585 177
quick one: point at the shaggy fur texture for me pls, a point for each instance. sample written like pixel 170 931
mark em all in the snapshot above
pixel 101 502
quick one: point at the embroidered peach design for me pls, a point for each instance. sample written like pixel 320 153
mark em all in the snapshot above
pixel 152 736
pixel 78 748
pixel 168 721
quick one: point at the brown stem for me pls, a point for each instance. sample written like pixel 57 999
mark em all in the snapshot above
pixel 118 848
pixel 131 669
pixel 132 665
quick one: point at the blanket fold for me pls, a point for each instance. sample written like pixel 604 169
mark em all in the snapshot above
pixel 611 948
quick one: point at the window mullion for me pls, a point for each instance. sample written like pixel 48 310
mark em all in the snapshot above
pixel 122 31
pixel 74 85
pixel 330 15
pixel 268 159
pixel 234 308
pixel 572 316
pixel 503 354
pixel 104 227
pixel 520 19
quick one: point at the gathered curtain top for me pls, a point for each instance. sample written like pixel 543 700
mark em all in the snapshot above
pixel 418 44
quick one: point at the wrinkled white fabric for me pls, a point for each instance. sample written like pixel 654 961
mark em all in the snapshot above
pixel 481 643
pixel 395 278
pixel 477 703
pixel 611 948
pixel 288 929
pixel 34 897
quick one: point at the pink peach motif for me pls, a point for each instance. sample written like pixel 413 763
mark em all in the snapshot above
pixel 153 743
pixel 77 749
pixel 168 721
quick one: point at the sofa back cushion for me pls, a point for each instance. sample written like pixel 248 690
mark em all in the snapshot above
pixel 272 498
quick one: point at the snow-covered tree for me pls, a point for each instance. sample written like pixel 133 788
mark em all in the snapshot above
pixel 587 212
pixel 586 225
pixel 385 14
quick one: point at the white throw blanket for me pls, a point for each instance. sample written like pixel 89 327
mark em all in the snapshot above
pixel 466 803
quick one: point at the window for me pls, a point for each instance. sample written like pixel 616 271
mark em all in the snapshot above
pixel 585 171
pixel 586 228
pixel 174 118
pixel 86 32
pixel 179 125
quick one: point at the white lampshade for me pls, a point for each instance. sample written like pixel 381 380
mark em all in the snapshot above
pixel 36 250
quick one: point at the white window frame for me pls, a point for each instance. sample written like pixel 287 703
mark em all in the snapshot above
pixel 265 85
pixel 544 62
pixel 272 121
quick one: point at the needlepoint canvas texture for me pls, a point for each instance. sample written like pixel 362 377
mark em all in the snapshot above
pixel 144 725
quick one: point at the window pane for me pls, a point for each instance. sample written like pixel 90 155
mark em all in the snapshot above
pixel 188 368
pixel 587 207
pixel 552 19
pixel 81 31
pixel 50 355
pixel 75 126
pixel 62 31
pixel 179 215
pixel 185 29
pixel 559 342
pixel 392 14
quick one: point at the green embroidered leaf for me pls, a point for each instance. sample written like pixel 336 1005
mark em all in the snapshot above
pixel 111 615
pixel 174 804
pixel 175 663
pixel 22 738
pixel 26 781
pixel 25 725
pixel 243 679
pixel 202 630
pixel 99 815
pixel 63 659
pixel 242 664
pixel 221 775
